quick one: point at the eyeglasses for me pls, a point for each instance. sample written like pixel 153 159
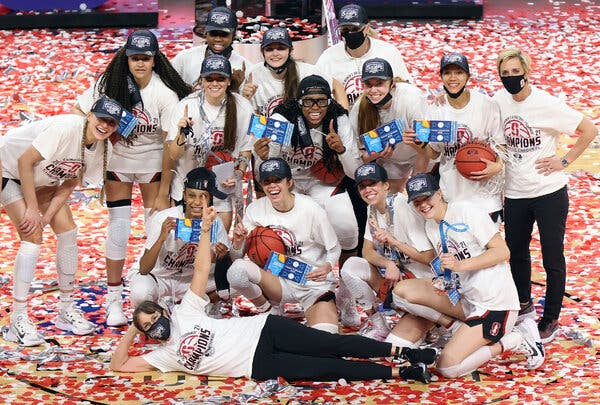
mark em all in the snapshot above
pixel 218 34
pixel 310 102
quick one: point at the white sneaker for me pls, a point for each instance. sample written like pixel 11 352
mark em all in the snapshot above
pixel 375 327
pixel 531 344
pixel 71 319
pixel 23 331
pixel 114 311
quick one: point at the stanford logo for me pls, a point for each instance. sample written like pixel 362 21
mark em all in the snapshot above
pixel 495 328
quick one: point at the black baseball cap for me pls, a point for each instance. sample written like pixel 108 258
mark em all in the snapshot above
pixel 370 171
pixel 421 185
pixel 141 42
pixel 278 35
pixel 313 84
pixel 106 107
pixel 377 68
pixel 202 178
pixel 454 58
pixel 215 64
pixel 221 19
pixel 274 167
pixel 352 14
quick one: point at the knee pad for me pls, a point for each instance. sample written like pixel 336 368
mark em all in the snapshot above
pixel 356 273
pixel 243 275
pixel 450 372
pixel 24 269
pixel 142 288
pixel 341 216
pixel 119 228
pixel 326 327
pixel 66 259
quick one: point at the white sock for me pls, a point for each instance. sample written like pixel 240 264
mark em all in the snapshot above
pixel 65 300
pixel 19 307
pixel 400 342
pixel 468 365
pixel 510 341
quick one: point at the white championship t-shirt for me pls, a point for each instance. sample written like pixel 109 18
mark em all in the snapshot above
pixel 207 136
pixel 532 131
pixel 479 119
pixel 142 152
pixel 188 63
pixel 203 345
pixel 491 288
pixel 58 139
pixel 338 64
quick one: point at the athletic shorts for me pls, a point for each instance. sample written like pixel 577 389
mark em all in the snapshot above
pixel 140 178
pixel 159 287
pixel 495 324
pixel 11 191
pixel 306 296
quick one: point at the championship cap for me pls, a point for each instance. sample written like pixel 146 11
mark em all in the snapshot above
pixel 202 178
pixel 141 42
pixel 278 35
pixel 106 107
pixel 313 84
pixel 215 64
pixel 421 185
pixel 370 171
pixel 352 14
pixel 377 68
pixel 454 58
pixel 221 19
pixel 274 167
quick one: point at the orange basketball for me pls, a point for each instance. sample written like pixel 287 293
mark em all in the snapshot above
pixel 330 176
pixel 261 242
pixel 469 155
pixel 214 156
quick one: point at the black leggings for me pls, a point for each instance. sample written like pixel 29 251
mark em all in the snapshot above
pixel 293 351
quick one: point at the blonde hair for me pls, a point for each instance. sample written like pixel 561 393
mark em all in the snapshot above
pixel 511 53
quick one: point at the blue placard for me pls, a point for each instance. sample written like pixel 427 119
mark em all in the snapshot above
pixel 435 130
pixel 388 134
pixel 127 124
pixel 278 131
pixel 288 268
pixel 188 230
pixel 452 293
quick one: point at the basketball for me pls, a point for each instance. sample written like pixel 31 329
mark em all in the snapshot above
pixel 469 154
pixel 261 242
pixel 214 156
pixel 331 176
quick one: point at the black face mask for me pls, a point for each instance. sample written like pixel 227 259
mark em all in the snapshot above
pixel 514 84
pixel 354 39
pixel 455 95
pixel 161 329
pixel 383 101
pixel 281 68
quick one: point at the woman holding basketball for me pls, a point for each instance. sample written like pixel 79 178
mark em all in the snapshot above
pixel 308 236
pixel 41 164
pixel 383 101
pixel 322 149
pixel 212 124
pixel 478 118
pixel 140 78
pixel 474 287
pixel 536 183
pixel 260 347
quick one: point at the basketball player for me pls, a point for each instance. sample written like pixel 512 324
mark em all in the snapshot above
pixel 305 229
pixel 41 164
pixel 141 78
pixel 166 267
pixel 470 246
pixel 260 347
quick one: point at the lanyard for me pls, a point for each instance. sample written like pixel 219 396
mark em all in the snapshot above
pixel 444 227
pixel 202 146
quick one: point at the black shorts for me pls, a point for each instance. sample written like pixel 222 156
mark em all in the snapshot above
pixel 493 322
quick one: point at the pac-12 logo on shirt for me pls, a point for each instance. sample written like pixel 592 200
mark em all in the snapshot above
pixel 353 87
pixel 146 123
pixel 306 157
pixel 217 137
pixel 63 169
pixel 463 135
pixel 271 104
pixel 520 136
pixel 182 259
pixel 292 246
pixel 194 346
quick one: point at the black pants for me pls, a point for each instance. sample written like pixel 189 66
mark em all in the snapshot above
pixel 550 212
pixel 295 352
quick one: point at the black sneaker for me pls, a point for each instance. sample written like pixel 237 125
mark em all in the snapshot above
pixel 548 329
pixel 418 372
pixel 425 356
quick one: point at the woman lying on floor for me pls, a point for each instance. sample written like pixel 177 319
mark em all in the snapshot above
pixel 261 347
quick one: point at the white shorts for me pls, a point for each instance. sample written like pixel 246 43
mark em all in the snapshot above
pixel 305 295
pixel 140 178
pixel 150 287
pixel 10 193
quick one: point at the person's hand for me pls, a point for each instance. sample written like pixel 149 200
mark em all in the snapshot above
pixel 239 233
pixel 385 154
pixel 32 220
pixel 220 250
pixel 185 121
pixel 334 141
pixel 378 234
pixel 230 182
pixel 249 88
pixel 168 225
pixel 208 214
pixel 392 272
pixel 320 273
pixel 237 77
pixel 261 148
pixel 492 167
pixel 448 261
pixel 548 165
pixel 160 203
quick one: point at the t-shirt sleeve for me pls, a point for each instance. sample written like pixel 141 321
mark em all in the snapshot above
pixel 166 110
pixel 175 116
pixel 162 359
pixel 87 98
pixel 566 119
